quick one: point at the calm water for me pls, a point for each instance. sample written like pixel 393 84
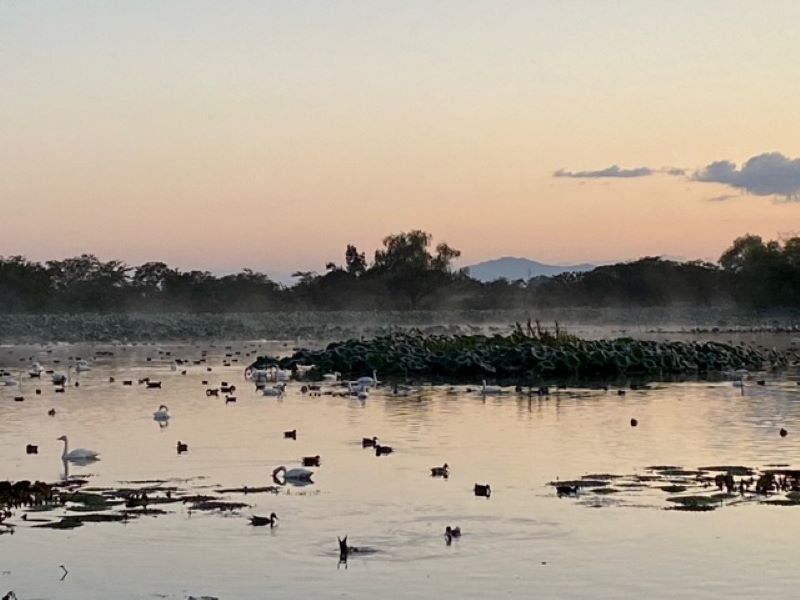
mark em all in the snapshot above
pixel 524 541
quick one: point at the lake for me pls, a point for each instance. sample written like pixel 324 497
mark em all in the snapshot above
pixel 521 542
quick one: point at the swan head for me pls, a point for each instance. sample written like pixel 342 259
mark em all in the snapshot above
pixel 273 516
pixel 62 438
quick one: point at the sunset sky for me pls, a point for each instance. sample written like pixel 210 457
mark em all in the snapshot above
pixel 269 135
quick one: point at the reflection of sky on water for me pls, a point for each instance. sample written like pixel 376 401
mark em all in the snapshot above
pixel 391 503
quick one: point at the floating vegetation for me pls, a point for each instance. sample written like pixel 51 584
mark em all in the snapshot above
pixel 694 490
pixel 525 354
pixel 107 504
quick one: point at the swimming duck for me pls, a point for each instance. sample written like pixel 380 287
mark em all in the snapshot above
pixel 153 384
pixel 290 435
pixel 31 449
pixel 450 533
pixel 483 490
pixel 369 442
pixel 52 412
pixel 380 450
pixel 783 432
pixel 634 422
pixel 182 447
pixel 271 520
pixel 567 490
pixel 311 461
pixel 443 471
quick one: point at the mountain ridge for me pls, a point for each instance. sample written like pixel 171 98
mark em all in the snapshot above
pixel 513 268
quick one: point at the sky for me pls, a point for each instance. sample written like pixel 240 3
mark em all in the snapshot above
pixel 223 135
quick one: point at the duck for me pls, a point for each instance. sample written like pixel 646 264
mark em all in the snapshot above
pixel 162 414
pixel 31 449
pixel 567 490
pixel 78 454
pixel 296 474
pixel 369 442
pixel 443 471
pixel 634 422
pixel 381 450
pixel 451 532
pixel 311 461
pixel 483 490
pixel 153 384
pixel 52 412
pixel 182 447
pixel 402 391
pixel 212 392
pixel 271 520
pixel 290 435
pixel 60 378
pixel 783 432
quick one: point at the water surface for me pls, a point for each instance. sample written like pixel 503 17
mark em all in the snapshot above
pixel 522 541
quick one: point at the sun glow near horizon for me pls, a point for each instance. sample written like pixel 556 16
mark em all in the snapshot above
pixel 272 135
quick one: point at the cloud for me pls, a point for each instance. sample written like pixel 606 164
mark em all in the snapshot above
pixel 769 174
pixel 612 171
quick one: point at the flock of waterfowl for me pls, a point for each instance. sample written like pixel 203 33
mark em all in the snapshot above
pixel 270 377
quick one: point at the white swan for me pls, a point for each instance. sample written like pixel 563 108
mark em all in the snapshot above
pixel 368 381
pixel 283 374
pixel 296 474
pixel 36 370
pixel 79 454
pixel 361 391
pixel 276 390
pixel 331 377
pixel 83 366
pixel 491 389
pixel 162 414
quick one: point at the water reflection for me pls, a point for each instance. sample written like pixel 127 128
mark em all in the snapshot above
pixel 517 443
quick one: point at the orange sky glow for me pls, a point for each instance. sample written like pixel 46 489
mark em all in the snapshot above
pixel 269 135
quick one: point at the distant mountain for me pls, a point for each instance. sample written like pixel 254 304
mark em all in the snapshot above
pixel 519 268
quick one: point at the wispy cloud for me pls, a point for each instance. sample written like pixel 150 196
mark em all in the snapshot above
pixel 769 174
pixel 612 171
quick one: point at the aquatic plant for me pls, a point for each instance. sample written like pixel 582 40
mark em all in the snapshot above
pixel 524 355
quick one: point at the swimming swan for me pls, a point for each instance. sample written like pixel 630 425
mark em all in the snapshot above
pixel 79 454
pixel 296 474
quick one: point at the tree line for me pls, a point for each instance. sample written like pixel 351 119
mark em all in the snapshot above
pixel 406 273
